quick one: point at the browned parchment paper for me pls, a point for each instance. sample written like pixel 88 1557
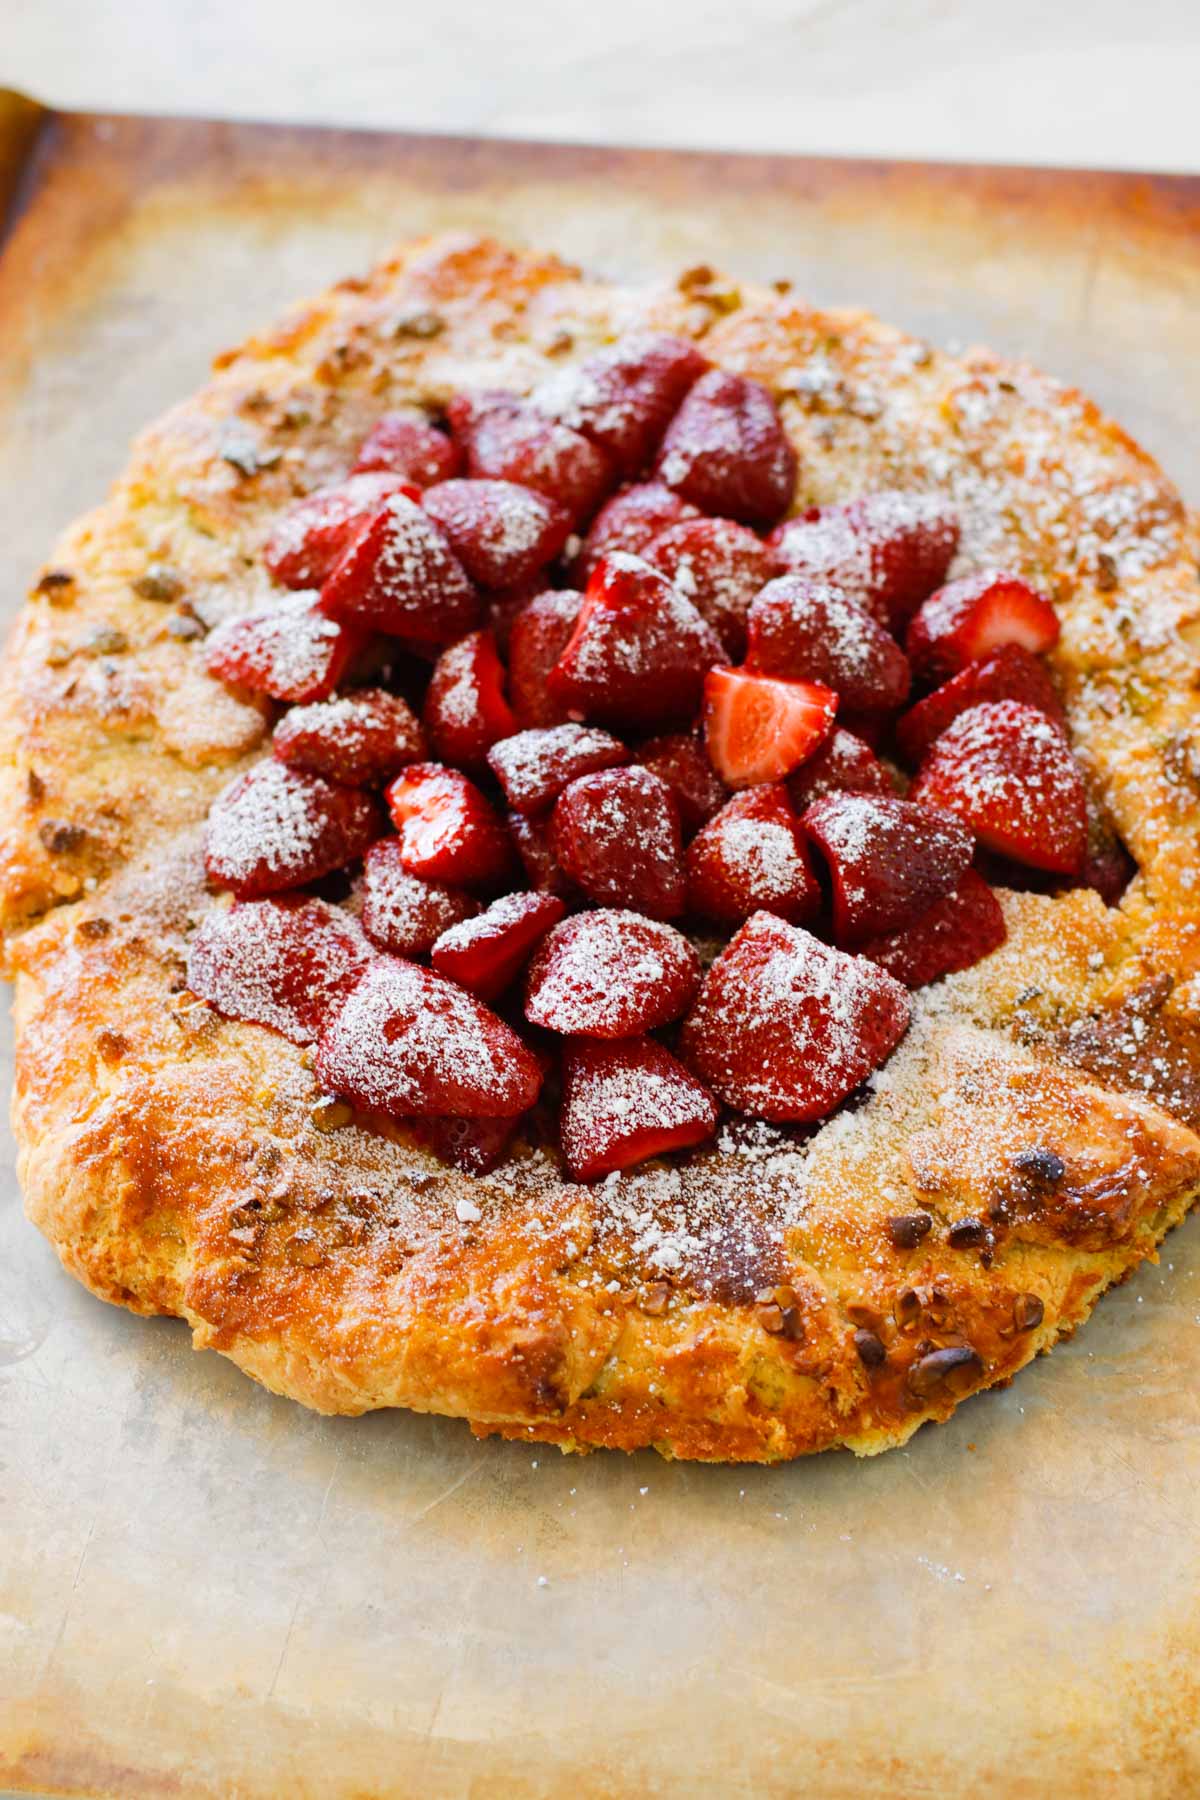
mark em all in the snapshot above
pixel 205 1591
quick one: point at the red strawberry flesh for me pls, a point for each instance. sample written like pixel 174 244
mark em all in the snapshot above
pixel 752 857
pixel 811 632
pixel 1010 673
pixel 447 829
pixel 400 576
pixel 759 728
pixel 312 536
pixel 617 835
pixel 401 912
pixel 726 451
pixel 974 616
pixel 889 859
pixel 623 1103
pixel 465 709
pixel 487 953
pixel 275 828
pixel 361 739
pixel 282 963
pixel 610 974
pixel 955 933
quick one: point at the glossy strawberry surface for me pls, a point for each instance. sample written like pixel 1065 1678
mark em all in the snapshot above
pixel 630 521
pixel 316 532
pixel 752 857
pixel 362 738
pixel 719 566
pixel 275 828
pixel 954 933
pixel 507 439
pixel 888 859
pixel 680 759
pixel 760 727
pixel 974 616
pixel 282 963
pixel 540 633
pixel 402 912
pixel 533 767
pixel 447 829
pixel 401 576
pixel 888 550
pixel 500 532
pixel 487 953
pixel 623 1103
pixel 843 764
pixel 609 973
pixel 726 451
pixel 617 835
pixel 407 444
pixel 812 632
pixel 623 397
pixel 466 710
pixel 287 649
pixel 1009 673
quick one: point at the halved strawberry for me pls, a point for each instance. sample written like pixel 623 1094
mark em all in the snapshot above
pixel 956 932
pixel 617 835
pixel 447 830
pixel 843 764
pixel 465 710
pixel 752 857
pixel 361 739
pixel 501 533
pixel 312 535
pixel 400 576
pixel 288 649
pixel 539 635
pixel 720 567
pixel 405 1042
pixel 1010 673
pixel 281 963
pixel 889 859
pixel 610 974
pixel 532 836
pixel 785 1028
pixel 487 953
pixel 681 761
pixel 408 445
pixel 533 767
pixel 476 1146
pixel 401 912
pixel 630 521
pixel 639 651
pixel 275 828
pixel 974 616
pixel 726 451
pixel 887 550
pixel 808 631
pixel 623 1103
pixel 1009 772
pixel 623 397
pixel 760 727
pixel 508 439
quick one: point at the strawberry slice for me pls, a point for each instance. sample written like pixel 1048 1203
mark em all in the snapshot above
pixel 361 739
pixel 532 836
pixel 726 451
pixel 889 859
pixel 402 913
pixel 617 835
pixel 1009 772
pixel 447 830
pixel 843 764
pixel 639 651
pixel 486 954
pixel 400 576
pixel 956 932
pixel 623 397
pixel 623 1103
pixel 508 439
pixel 501 533
pixel 680 760
pixel 404 1042
pixel 476 1146
pixel 281 963
pixel 538 637
pixel 720 567
pixel 974 616
pixel 315 533
pixel 534 767
pixel 630 521
pixel 886 550
pixel 465 710
pixel 275 828
pixel 752 857
pixel 610 974
pixel 800 629
pixel 760 727
pixel 785 1028
pixel 407 444
pixel 287 649
pixel 1010 673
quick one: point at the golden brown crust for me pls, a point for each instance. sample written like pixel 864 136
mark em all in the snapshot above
pixel 755 1302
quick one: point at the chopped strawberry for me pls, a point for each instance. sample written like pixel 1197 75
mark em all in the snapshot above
pixel 534 767
pixel 538 638
pixel 617 835
pixel 405 1042
pixel 400 576
pixel 401 912
pixel 623 1103
pixel 639 651
pixel 1009 772
pixel 501 533
pixel 785 1028
pixel 447 830
pixel 532 836
pixel 843 764
pixel 504 605
pixel 887 550
pixel 726 451
pixel 804 630
pixel 476 1146
pixel 752 857
pixel 287 649
pixel 956 932
pixel 720 567
pixel 408 445
pixel 315 533
pixel 623 397
pixel 486 954
pixel 974 616
pixel 760 727
pixel 465 709
pixel 680 760
pixel 275 828
pixel 281 963
pixel 1107 866
pixel 508 439
pixel 889 859
pixel 610 974
pixel 361 739
pixel 1010 673
pixel 630 521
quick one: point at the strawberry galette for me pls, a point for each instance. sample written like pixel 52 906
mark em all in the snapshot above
pixel 621 864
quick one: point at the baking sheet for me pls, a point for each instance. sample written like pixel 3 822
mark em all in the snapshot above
pixel 205 1590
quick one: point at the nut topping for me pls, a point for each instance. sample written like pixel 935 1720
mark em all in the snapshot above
pixel 1028 1312
pixel 907 1229
pixel 955 1369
